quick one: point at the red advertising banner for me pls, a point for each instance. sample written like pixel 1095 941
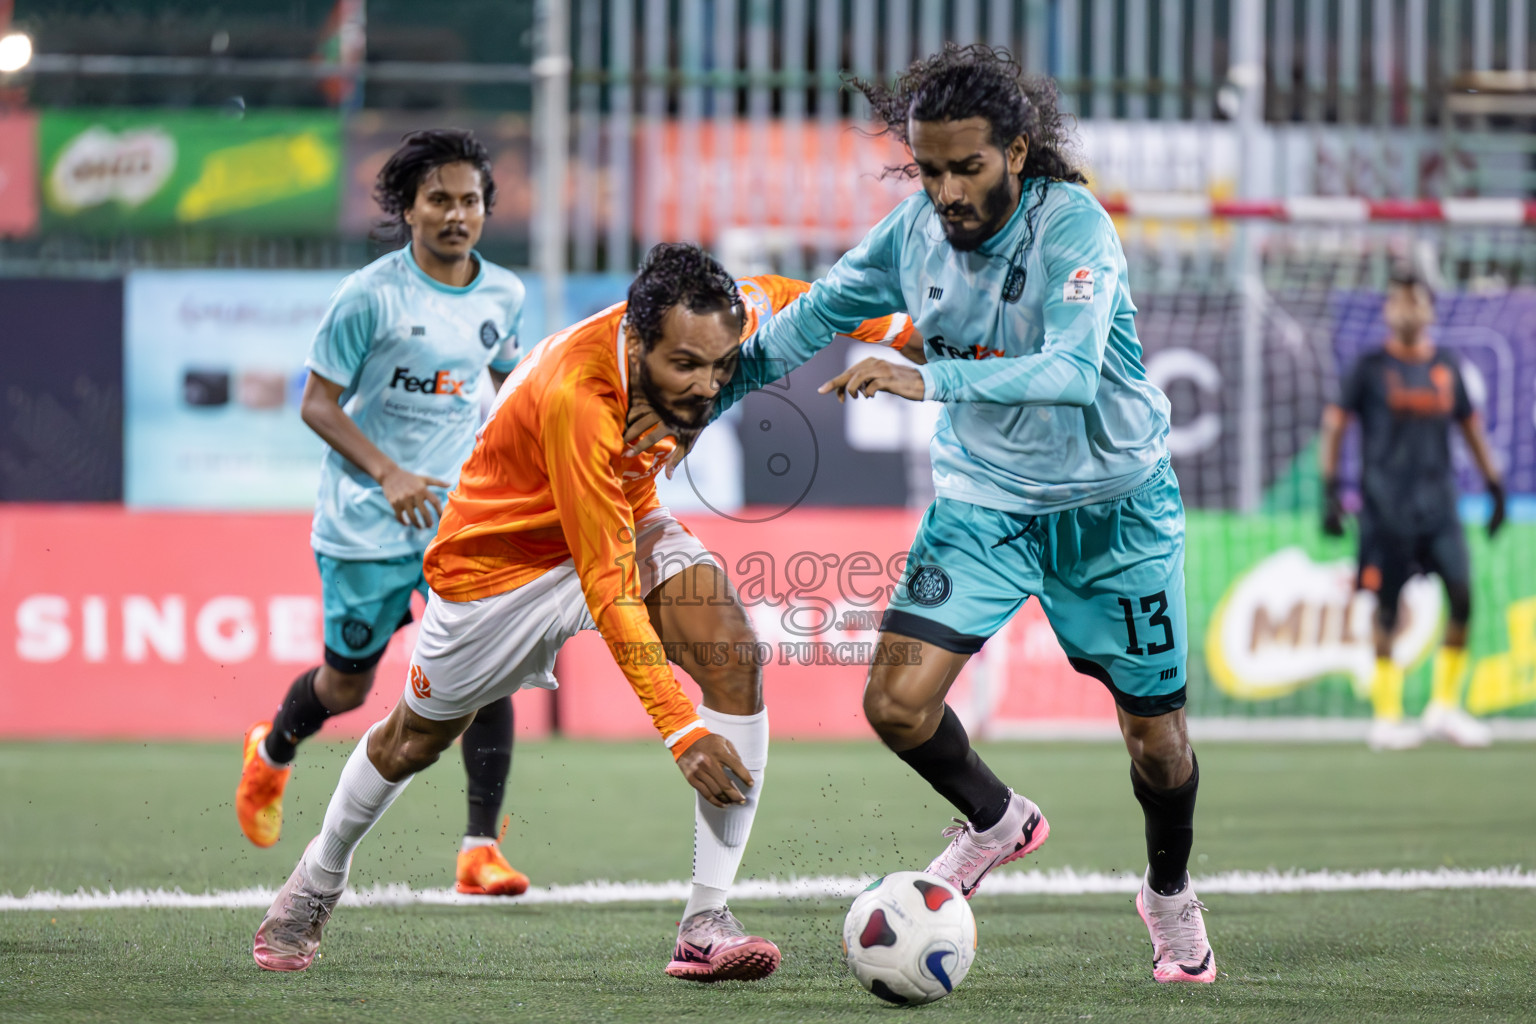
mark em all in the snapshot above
pixel 815 583
pixel 18 174
pixel 162 624
pixel 127 624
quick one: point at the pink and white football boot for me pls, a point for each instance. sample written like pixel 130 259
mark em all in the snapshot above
pixel 289 936
pixel 1180 950
pixel 971 854
pixel 713 946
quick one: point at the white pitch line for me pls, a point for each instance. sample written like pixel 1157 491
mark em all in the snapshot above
pixel 1065 882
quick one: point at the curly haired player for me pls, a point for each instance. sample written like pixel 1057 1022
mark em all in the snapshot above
pixel 1050 463
pixel 555 528
pixel 394 387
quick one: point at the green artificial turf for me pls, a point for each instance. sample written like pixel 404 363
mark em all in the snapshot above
pixel 125 815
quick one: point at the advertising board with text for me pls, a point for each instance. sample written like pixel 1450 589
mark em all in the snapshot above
pixel 263 172
pixel 126 624
pixel 197 621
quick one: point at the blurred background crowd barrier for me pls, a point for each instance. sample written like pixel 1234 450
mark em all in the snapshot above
pixel 183 185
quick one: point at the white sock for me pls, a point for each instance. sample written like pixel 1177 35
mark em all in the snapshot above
pixel 470 842
pixel 361 798
pixel 720 833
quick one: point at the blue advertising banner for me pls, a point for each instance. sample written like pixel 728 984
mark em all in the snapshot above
pixel 61 435
pixel 214 369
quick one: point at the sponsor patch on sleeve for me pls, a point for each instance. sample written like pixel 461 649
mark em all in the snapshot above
pixel 1079 286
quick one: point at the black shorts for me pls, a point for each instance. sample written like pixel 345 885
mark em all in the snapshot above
pixel 1389 558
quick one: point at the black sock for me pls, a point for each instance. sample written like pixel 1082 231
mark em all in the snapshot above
pixel 300 717
pixel 1170 817
pixel 488 761
pixel 948 764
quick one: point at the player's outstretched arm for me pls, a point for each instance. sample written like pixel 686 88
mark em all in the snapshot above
pixel 862 286
pixel 409 494
pixel 1477 442
pixel 1081 255
pixel 582 437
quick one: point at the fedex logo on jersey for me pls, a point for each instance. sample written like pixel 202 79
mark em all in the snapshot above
pixel 939 346
pixel 437 384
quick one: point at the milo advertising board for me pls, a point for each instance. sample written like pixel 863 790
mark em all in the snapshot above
pixel 109 171
pixel 1285 632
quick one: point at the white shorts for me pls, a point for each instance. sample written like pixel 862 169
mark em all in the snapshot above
pixel 470 653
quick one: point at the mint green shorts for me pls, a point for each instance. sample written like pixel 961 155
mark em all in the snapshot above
pixel 1109 577
pixel 364 603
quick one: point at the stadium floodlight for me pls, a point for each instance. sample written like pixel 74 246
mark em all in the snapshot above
pixel 15 52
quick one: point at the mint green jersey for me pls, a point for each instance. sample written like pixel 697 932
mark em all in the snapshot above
pixel 1031 345
pixel 411 354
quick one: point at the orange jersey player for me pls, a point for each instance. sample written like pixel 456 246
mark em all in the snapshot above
pixel 556 527
pixel 549 483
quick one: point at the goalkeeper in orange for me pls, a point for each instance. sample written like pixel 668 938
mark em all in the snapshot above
pixel 555 527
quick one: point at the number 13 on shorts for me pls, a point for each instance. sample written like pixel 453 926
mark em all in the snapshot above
pixel 1135 643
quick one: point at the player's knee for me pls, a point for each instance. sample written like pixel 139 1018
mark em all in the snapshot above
pixel 729 675
pixel 343 691
pixel 894 720
pixel 1160 748
pixel 404 753
pixel 418 754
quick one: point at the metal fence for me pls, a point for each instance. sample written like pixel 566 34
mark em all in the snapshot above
pixel 685 118
pixel 725 74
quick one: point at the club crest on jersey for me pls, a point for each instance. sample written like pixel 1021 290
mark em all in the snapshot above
pixel 1013 285
pixel 1079 286
pixel 928 586
pixel 489 335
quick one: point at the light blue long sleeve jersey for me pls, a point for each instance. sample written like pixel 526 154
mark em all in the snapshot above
pixel 1046 404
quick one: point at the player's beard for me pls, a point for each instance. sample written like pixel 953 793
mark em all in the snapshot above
pixel 994 214
pixel 691 414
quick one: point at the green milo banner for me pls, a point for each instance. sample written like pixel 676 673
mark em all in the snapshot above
pixel 123 170
pixel 1278 628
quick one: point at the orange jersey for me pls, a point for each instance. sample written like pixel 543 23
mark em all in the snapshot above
pixel 766 295
pixel 548 481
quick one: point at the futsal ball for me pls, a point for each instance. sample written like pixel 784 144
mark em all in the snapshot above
pixel 910 938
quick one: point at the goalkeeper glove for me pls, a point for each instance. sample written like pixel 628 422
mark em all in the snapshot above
pixel 1333 508
pixel 1496 517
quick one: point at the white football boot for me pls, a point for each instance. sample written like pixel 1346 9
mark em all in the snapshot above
pixel 971 854
pixel 1394 734
pixel 289 935
pixel 1453 724
pixel 1180 950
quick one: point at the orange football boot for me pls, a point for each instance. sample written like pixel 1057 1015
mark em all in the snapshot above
pixel 259 798
pixel 483 871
